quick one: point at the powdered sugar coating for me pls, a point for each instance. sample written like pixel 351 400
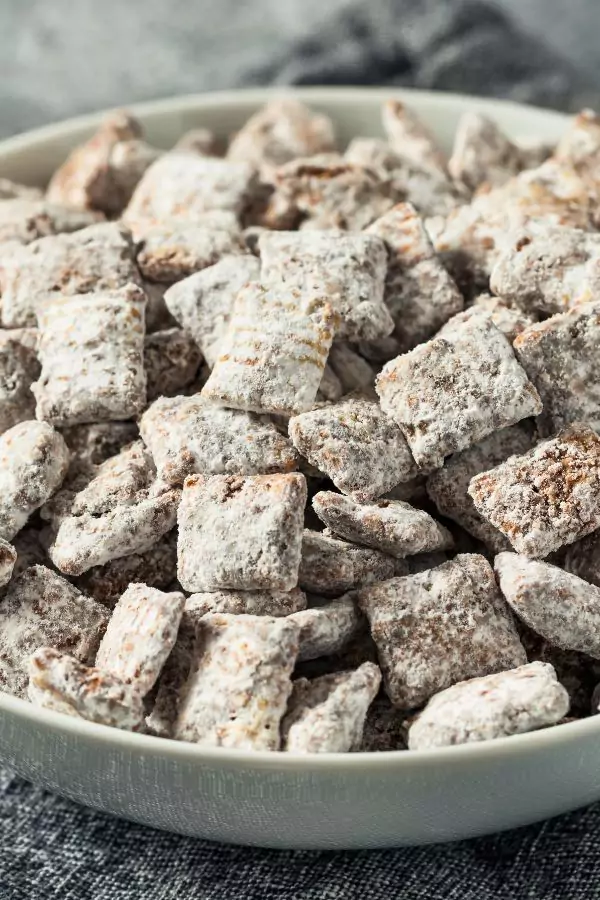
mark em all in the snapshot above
pixel 332 193
pixel 82 542
pixel 19 367
pixel 275 351
pixel 119 481
pixel 348 269
pixel 514 702
pixel 40 608
pixel 356 445
pixel 483 154
pixel 140 635
pixel 437 627
pixel 391 526
pixel 510 320
pixel 562 608
pixel 330 566
pixel 548 269
pixel 61 683
pixel 8 558
pixel 419 292
pixel 202 303
pixel 171 362
pixel 188 436
pixel 326 629
pixel 156 567
pixel 183 185
pixel 102 172
pixel 33 463
pixel 170 252
pixel 448 487
pixel 98 258
pixel 101 337
pixel 546 498
pixel 280 131
pixel 327 715
pixel 238 688
pixel 246 603
pixel 25 219
pixel 241 532
pixel 410 137
pixel 452 392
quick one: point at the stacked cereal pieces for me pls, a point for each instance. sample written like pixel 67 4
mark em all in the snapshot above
pixel 272 341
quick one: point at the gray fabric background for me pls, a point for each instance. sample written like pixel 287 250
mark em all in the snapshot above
pixel 61 57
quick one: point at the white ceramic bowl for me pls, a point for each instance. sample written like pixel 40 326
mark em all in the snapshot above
pixel 276 800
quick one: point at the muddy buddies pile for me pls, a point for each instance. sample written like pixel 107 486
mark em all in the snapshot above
pixel 299 448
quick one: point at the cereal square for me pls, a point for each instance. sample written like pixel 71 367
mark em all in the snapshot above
pixel 483 154
pixel 328 628
pixel 189 436
pixel 330 567
pixel 170 252
pixel 242 603
pixel 546 498
pixel 275 350
pixel 25 219
pixel 241 532
pixel 100 338
pixel 508 319
pixel 439 627
pixel 410 137
pixel 452 392
pixel 40 608
pixel 238 688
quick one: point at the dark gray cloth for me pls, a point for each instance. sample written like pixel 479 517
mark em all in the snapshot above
pixel 62 57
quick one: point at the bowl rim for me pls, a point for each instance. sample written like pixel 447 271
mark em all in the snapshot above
pixel 555 736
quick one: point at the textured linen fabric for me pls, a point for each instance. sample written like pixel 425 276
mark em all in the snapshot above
pixel 58 58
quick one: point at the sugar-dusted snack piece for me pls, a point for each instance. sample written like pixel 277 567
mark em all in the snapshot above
pixel 202 303
pixel 92 444
pixel 327 715
pixel 559 606
pixel 99 258
pixel 583 558
pixel 348 269
pixel 553 194
pixel 513 702
pixel 100 337
pixel 59 682
pixel 410 137
pixel 171 362
pixel 326 568
pixel 157 568
pixel 548 269
pixel 8 558
pixel 102 172
pixel 508 319
pixel 199 140
pixel 175 250
pixel 12 190
pixel 391 526
pixel 482 153
pixel 40 608
pixel 275 350
pixel 241 532
pixel 189 436
pixel 327 629
pixel 356 445
pixel 25 219
pixel 438 627
pixel 33 462
pixel 546 498
pixel 451 392
pixel 354 372
pixel 19 367
pixel 238 688
pixel 419 292
pixel 283 130
pixel 140 635
pixel 562 359
pixel 170 685
pixel 182 185
pixel 82 542
pixel 384 728
pixel 449 487
pixel 332 193
pixel 246 603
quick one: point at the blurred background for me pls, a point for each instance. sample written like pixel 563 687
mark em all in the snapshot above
pixel 62 57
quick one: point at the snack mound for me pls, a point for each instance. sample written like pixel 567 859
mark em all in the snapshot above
pixel 298 448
